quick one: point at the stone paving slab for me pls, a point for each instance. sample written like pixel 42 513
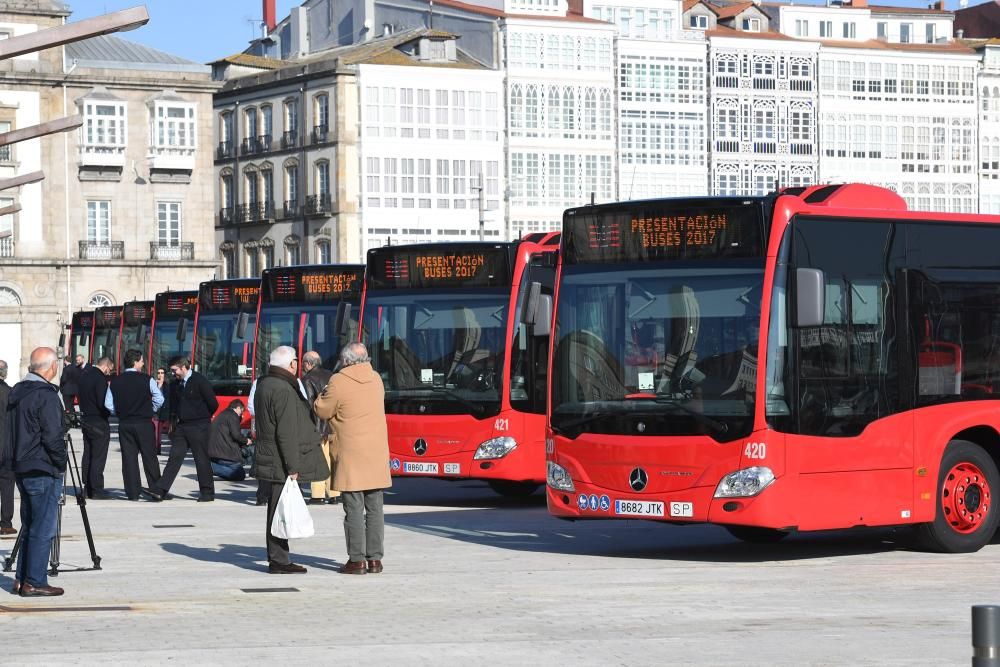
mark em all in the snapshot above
pixel 473 578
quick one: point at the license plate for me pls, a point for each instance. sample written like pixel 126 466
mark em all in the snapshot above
pixel 420 468
pixel 639 508
pixel 682 509
pixel 452 468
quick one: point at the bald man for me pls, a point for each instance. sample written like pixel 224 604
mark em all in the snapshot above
pixel 37 456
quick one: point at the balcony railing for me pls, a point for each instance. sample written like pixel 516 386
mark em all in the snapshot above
pixel 255 212
pixel 170 253
pixel 320 134
pixel 290 139
pixel 102 250
pixel 318 204
pixel 225 150
pixel 7 246
pixel 226 215
pixel 256 145
pixel 291 208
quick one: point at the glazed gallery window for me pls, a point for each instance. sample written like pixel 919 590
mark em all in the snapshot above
pixel 174 126
pixel 104 124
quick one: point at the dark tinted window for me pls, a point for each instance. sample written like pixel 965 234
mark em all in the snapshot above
pixel 530 354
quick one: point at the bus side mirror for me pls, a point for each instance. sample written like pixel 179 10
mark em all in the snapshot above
pixel 241 325
pixel 810 297
pixel 182 329
pixel 342 323
pixel 543 316
pixel 62 345
pixel 530 310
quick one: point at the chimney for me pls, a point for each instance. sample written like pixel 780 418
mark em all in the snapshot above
pixel 269 18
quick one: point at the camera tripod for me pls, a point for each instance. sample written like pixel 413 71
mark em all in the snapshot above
pixel 73 468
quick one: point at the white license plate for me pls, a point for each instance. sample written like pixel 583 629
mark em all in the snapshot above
pixel 420 468
pixel 682 509
pixel 638 508
pixel 452 468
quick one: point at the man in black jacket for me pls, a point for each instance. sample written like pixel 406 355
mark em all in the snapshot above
pixel 134 397
pixel 94 422
pixel 69 382
pixel 314 380
pixel 37 456
pixel 192 404
pixel 226 442
pixel 6 476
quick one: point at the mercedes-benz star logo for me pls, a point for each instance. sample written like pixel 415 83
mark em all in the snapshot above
pixel 420 448
pixel 637 479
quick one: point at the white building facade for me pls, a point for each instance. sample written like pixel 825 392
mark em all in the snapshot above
pixel 988 86
pixel 428 133
pixel 662 99
pixel 561 114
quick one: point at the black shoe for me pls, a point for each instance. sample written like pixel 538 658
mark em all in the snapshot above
pixel 205 499
pixel 285 568
pixel 154 496
pixel 334 501
pixel 260 502
pixel 316 501
pixel 100 495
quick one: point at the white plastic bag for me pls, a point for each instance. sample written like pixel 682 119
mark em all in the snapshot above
pixel 291 517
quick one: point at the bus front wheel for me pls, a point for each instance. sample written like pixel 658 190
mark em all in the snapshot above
pixel 965 519
pixel 513 489
pixel 757 535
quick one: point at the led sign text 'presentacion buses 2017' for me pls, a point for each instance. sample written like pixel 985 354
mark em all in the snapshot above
pixel 450 266
pixel 431 267
pixel 668 231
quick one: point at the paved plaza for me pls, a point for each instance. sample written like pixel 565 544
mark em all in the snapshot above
pixel 471 578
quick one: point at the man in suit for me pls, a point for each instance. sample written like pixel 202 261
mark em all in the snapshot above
pixel 314 380
pixel 226 443
pixel 192 404
pixel 134 398
pixel 69 383
pixel 94 422
pixel 6 476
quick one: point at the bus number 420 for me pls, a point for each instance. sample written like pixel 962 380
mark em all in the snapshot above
pixel 755 450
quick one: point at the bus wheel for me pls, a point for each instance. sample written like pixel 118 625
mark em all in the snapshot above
pixel 513 489
pixel 965 519
pixel 757 535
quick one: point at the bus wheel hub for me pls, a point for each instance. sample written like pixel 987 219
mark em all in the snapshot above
pixel 965 497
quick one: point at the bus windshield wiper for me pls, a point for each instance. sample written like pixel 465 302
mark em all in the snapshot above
pixel 579 421
pixel 675 404
pixel 477 408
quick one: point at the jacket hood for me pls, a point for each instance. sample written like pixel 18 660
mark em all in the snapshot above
pixel 361 373
pixel 29 385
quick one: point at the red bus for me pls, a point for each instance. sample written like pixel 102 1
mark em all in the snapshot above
pixel 137 325
pixel 173 328
pixel 223 336
pixel 81 330
pixel 311 307
pixel 464 374
pixel 878 330
pixel 107 334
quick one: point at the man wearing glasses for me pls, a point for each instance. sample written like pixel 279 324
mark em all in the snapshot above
pixel 192 404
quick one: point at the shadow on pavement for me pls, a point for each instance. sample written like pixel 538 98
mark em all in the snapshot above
pixel 245 557
pixel 435 492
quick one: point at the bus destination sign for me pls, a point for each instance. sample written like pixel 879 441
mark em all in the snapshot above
pixel 661 230
pixel 220 296
pixel 176 303
pixel 439 267
pixel 327 284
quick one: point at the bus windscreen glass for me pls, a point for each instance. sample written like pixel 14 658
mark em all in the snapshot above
pixel 657 333
pixel 170 308
pixel 220 354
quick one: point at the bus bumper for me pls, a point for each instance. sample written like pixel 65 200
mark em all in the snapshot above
pixel 520 465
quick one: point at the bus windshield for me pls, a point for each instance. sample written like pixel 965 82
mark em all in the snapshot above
pixel 439 352
pixel 106 341
pixel 220 354
pixel 165 343
pixel 304 327
pixel 80 332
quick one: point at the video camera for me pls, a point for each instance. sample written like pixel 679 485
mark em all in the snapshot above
pixel 71 419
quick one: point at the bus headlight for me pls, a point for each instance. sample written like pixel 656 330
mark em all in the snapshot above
pixel 495 448
pixel 557 478
pixel 744 483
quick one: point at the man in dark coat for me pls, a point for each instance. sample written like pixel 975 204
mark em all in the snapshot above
pixel 6 476
pixel 94 422
pixel 37 455
pixel 287 444
pixel 69 383
pixel 192 404
pixel 314 379
pixel 226 443
pixel 134 398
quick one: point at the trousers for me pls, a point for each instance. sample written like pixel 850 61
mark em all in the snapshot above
pixel 277 548
pixel 6 499
pixel 39 507
pixel 364 524
pixel 136 440
pixel 193 435
pixel 96 437
pixel 324 488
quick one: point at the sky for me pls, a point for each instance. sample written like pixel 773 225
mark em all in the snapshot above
pixel 199 30
pixel 206 30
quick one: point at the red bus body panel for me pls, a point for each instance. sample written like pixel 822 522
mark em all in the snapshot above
pixel 886 475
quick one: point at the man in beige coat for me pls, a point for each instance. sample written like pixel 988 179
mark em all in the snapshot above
pixel 354 405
